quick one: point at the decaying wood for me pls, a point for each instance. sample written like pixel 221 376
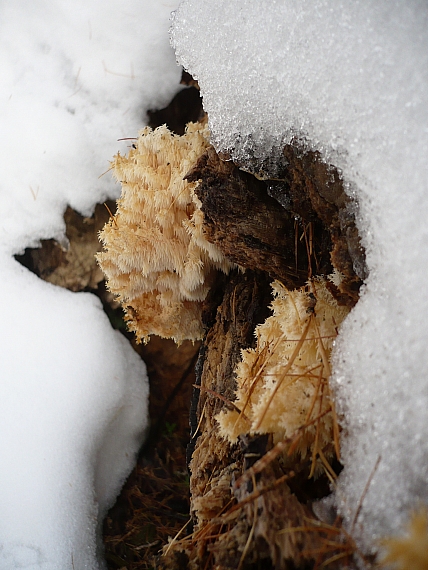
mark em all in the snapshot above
pixel 288 229
pixel 244 305
pixel 222 526
pixel 72 266
pixel 253 229
pixel 300 225
pixel 260 523
pixel 315 186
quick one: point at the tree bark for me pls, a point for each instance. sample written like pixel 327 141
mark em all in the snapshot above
pixel 289 229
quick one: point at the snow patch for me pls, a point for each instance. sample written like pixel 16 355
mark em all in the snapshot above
pixel 73 395
pixel 349 79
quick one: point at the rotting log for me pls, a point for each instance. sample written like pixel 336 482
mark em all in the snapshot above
pixel 216 464
pixel 298 225
pixel 288 229
pixel 253 229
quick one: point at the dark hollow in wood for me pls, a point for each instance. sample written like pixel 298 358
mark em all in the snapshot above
pixel 300 225
pixel 185 107
pixel 313 186
pixel 73 267
pixel 253 229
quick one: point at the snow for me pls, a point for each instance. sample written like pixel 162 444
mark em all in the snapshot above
pixel 76 76
pixel 349 79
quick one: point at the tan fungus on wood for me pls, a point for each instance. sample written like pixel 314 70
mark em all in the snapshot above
pixel 158 263
pixel 283 381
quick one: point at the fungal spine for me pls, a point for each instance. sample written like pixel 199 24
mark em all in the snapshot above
pixel 157 261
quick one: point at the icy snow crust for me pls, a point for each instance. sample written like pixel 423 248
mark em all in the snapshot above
pixel 349 79
pixel 76 76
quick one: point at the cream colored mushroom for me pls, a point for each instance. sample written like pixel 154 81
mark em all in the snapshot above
pixel 157 261
pixel 283 382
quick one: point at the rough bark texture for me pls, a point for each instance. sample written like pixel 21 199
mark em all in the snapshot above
pixel 294 227
pixel 244 305
pixel 216 463
pixel 256 524
pixel 253 229
pixel 288 229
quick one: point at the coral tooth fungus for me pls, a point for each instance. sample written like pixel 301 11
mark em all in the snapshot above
pixel 158 263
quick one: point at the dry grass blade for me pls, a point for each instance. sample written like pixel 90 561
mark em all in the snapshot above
pixel 326 363
pixel 364 493
pixel 264 362
pixel 220 397
pixel 275 451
